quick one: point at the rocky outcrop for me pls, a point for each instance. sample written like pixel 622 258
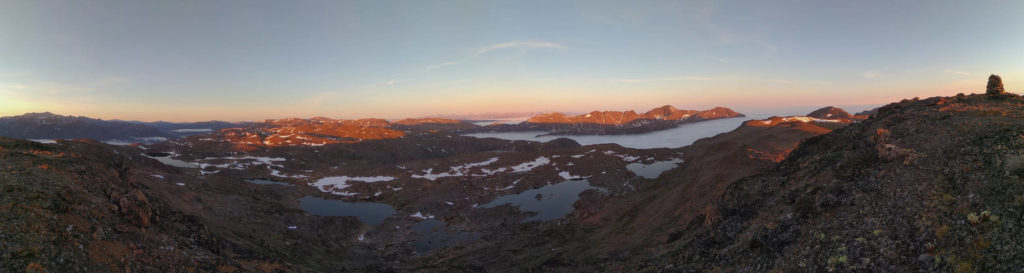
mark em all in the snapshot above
pixel 74 206
pixel 995 86
pixel 294 131
pixel 431 124
pixel 867 113
pixel 418 121
pixel 922 179
pixel 830 112
pixel 318 131
pixel 829 118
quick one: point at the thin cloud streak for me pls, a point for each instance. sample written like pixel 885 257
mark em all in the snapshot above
pixel 687 78
pixel 436 66
pixel 489 48
pixel 528 44
pixel 387 83
pixel 872 74
pixel 958 72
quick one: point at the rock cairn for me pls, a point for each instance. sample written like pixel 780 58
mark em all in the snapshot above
pixel 995 86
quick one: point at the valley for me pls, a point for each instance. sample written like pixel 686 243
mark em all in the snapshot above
pixel 396 195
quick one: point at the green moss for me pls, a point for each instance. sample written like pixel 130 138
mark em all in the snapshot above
pixel 963 267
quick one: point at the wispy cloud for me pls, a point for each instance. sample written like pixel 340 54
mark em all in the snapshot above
pixel 489 48
pixel 43 88
pixel 686 78
pixel 381 84
pixel 705 21
pixel 872 74
pixel 320 98
pixel 518 44
pixel 440 65
pixel 958 72
pixel 455 82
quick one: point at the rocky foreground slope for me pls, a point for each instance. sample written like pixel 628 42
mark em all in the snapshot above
pixel 80 207
pixel 930 185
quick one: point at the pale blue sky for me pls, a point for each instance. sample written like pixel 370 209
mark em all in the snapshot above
pixel 251 60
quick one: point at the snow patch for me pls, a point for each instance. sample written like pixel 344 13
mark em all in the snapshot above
pixel 461 170
pixel 527 166
pixel 510 186
pixel 419 215
pixel 335 184
pixel 808 119
pixel 567 176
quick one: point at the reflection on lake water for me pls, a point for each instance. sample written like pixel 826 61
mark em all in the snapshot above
pixel 653 170
pixel 369 213
pixel 435 235
pixel 549 202
pixel 266 182
pixel 167 160
pixel 677 137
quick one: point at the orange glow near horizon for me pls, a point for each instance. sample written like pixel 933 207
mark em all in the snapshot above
pixel 498 99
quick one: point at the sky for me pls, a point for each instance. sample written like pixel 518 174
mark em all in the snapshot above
pixel 255 60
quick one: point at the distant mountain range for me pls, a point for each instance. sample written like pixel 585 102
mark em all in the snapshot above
pixel 314 130
pixel 47 125
pixel 488 116
pixel 614 122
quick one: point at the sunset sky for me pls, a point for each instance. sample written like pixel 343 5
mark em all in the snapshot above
pixel 253 60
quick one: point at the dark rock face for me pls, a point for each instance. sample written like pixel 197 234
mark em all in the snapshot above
pixel 995 86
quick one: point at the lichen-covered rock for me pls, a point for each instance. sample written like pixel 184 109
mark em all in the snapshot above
pixel 136 207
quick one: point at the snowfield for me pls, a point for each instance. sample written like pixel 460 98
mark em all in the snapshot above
pixel 461 170
pixel 335 184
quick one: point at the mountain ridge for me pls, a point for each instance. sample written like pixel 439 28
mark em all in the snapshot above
pixel 612 122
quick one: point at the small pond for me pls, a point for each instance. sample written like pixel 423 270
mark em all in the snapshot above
pixel 653 170
pixel 435 235
pixel 549 202
pixel 167 160
pixel 369 213
pixel 267 182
